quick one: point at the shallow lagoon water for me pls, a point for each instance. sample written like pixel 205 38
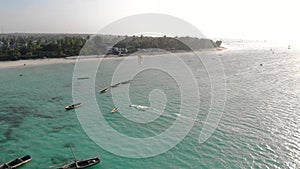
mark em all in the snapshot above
pixel 259 127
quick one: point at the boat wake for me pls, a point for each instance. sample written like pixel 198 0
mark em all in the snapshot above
pixel 140 107
pixel 103 90
pixel 155 111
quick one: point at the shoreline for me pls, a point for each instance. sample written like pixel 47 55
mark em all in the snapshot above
pixel 73 59
pixel 35 62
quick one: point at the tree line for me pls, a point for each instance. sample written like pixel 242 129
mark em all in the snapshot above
pixel 141 42
pixel 134 43
pixel 29 47
pixel 35 46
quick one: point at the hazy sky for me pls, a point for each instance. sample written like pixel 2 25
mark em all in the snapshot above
pixel 247 19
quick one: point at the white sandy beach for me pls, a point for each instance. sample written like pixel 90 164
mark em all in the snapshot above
pixel 38 62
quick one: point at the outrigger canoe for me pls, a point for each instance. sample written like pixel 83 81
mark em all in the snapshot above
pixel 73 106
pixel 115 110
pixel 16 163
pixel 85 163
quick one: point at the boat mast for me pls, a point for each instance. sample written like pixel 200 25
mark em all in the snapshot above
pixel 73 155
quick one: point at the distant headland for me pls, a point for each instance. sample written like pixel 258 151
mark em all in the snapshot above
pixel 23 46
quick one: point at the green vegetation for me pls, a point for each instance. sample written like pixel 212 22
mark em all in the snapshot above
pixel 134 43
pixel 14 47
pixel 35 46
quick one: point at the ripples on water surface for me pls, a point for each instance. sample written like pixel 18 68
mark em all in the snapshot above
pixel 259 127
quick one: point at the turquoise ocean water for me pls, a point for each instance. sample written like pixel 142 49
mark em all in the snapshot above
pixel 259 127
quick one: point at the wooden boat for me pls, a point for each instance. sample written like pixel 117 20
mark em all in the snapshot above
pixel 73 106
pixel 16 163
pixel 125 82
pixel 85 163
pixel 82 78
pixel 104 90
pixel 115 110
pixel 115 85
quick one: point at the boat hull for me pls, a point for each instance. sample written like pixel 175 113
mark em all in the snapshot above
pixel 73 106
pixel 16 163
pixel 82 163
pixel 115 110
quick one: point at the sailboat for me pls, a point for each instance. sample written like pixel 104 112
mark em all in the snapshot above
pixel 80 164
pixel 140 59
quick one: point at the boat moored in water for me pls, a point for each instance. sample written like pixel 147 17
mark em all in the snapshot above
pixel 73 106
pixel 104 90
pixel 126 82
pixel 115 110
pixel 85 163
pixel 82 78
pixel 16 163
pixel 79 164
pixel 115 85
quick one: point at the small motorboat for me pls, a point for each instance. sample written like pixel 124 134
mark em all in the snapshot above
pixel 104 90
pixel 115 110
pixel 16 163
pixel 73 106
pixel 85 163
